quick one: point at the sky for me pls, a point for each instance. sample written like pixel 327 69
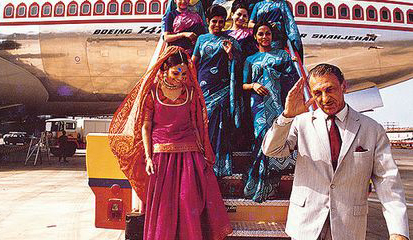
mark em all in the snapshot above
pixel 398 105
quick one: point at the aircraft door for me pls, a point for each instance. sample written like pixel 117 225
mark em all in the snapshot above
pixel 117 62
pixel 65 62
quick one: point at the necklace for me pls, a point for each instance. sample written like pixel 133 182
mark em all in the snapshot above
pixel 170 86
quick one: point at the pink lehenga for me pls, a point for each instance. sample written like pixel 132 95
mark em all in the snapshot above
pixel 182 198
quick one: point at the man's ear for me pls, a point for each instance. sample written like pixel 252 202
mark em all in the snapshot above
pixel 344 86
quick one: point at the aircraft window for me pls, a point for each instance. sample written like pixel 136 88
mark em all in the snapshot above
pixel 21 11
pixel 59 9
pixel 99 8
pixel 358 12
pixel 85 9
pixel 140 7
pixel 315 10
pixel 398 16
pixel 34 11
pixel 301 9
pixel 371 14
pixel 113 8
pixel 8 12
pixel 155 8
pixel 330 11
pixel 126 7
pixel 47 9
pixel 72 9
pixel 344 12
pixel 385 14
pixel 410 16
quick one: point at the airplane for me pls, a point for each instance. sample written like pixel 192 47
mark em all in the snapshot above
pixel 81 57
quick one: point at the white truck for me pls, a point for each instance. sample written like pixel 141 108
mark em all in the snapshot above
pixel 76 131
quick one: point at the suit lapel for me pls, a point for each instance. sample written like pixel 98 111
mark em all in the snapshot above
pixel 352 127
pixel 320 128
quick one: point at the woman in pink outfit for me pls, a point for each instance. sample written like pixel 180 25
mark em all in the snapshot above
pixel 160 136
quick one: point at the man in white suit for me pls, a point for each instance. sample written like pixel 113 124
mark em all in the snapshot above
pixel 339 151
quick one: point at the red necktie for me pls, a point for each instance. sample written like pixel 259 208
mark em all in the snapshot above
pixel 335 141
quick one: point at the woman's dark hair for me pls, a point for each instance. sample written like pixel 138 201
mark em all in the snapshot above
pixel 239 4
pixel 175 59
pixel 260 24
pixel 277 35
pixel 216 10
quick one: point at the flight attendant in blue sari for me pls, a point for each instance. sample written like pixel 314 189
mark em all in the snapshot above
pixel 216 55
pixel 277 13
pixel 266 74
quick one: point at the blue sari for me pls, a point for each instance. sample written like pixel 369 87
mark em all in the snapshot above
pixel 217 76
pixel 277 12
pixel 275 71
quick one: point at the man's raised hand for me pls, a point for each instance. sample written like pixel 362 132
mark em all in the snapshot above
pixel 295 103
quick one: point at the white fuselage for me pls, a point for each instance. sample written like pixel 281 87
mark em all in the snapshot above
pixel 78 62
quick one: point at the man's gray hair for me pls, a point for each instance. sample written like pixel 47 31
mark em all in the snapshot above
pixel 325 69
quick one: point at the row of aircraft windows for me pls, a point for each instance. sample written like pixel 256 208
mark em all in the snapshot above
pixel 300 10
pixel 356 11
pixel 85 9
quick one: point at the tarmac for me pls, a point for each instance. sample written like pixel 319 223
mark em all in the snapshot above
pixel 53 200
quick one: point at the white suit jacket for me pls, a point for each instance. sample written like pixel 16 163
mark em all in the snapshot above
pixel 319 191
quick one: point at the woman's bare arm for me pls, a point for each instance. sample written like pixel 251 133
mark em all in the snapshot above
pixel 147 145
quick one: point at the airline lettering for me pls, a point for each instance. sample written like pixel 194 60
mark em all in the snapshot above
pixel 342 37
pixel 112 31
pixel 141 30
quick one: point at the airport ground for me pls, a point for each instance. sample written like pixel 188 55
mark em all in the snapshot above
pixel 53 200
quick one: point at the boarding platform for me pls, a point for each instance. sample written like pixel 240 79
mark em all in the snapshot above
pixel 113 193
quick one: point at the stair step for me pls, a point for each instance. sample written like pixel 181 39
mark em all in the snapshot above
pixel 233 186
pixel 258 229
pixel 248 210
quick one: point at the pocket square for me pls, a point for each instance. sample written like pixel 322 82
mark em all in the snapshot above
pixel 360 149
